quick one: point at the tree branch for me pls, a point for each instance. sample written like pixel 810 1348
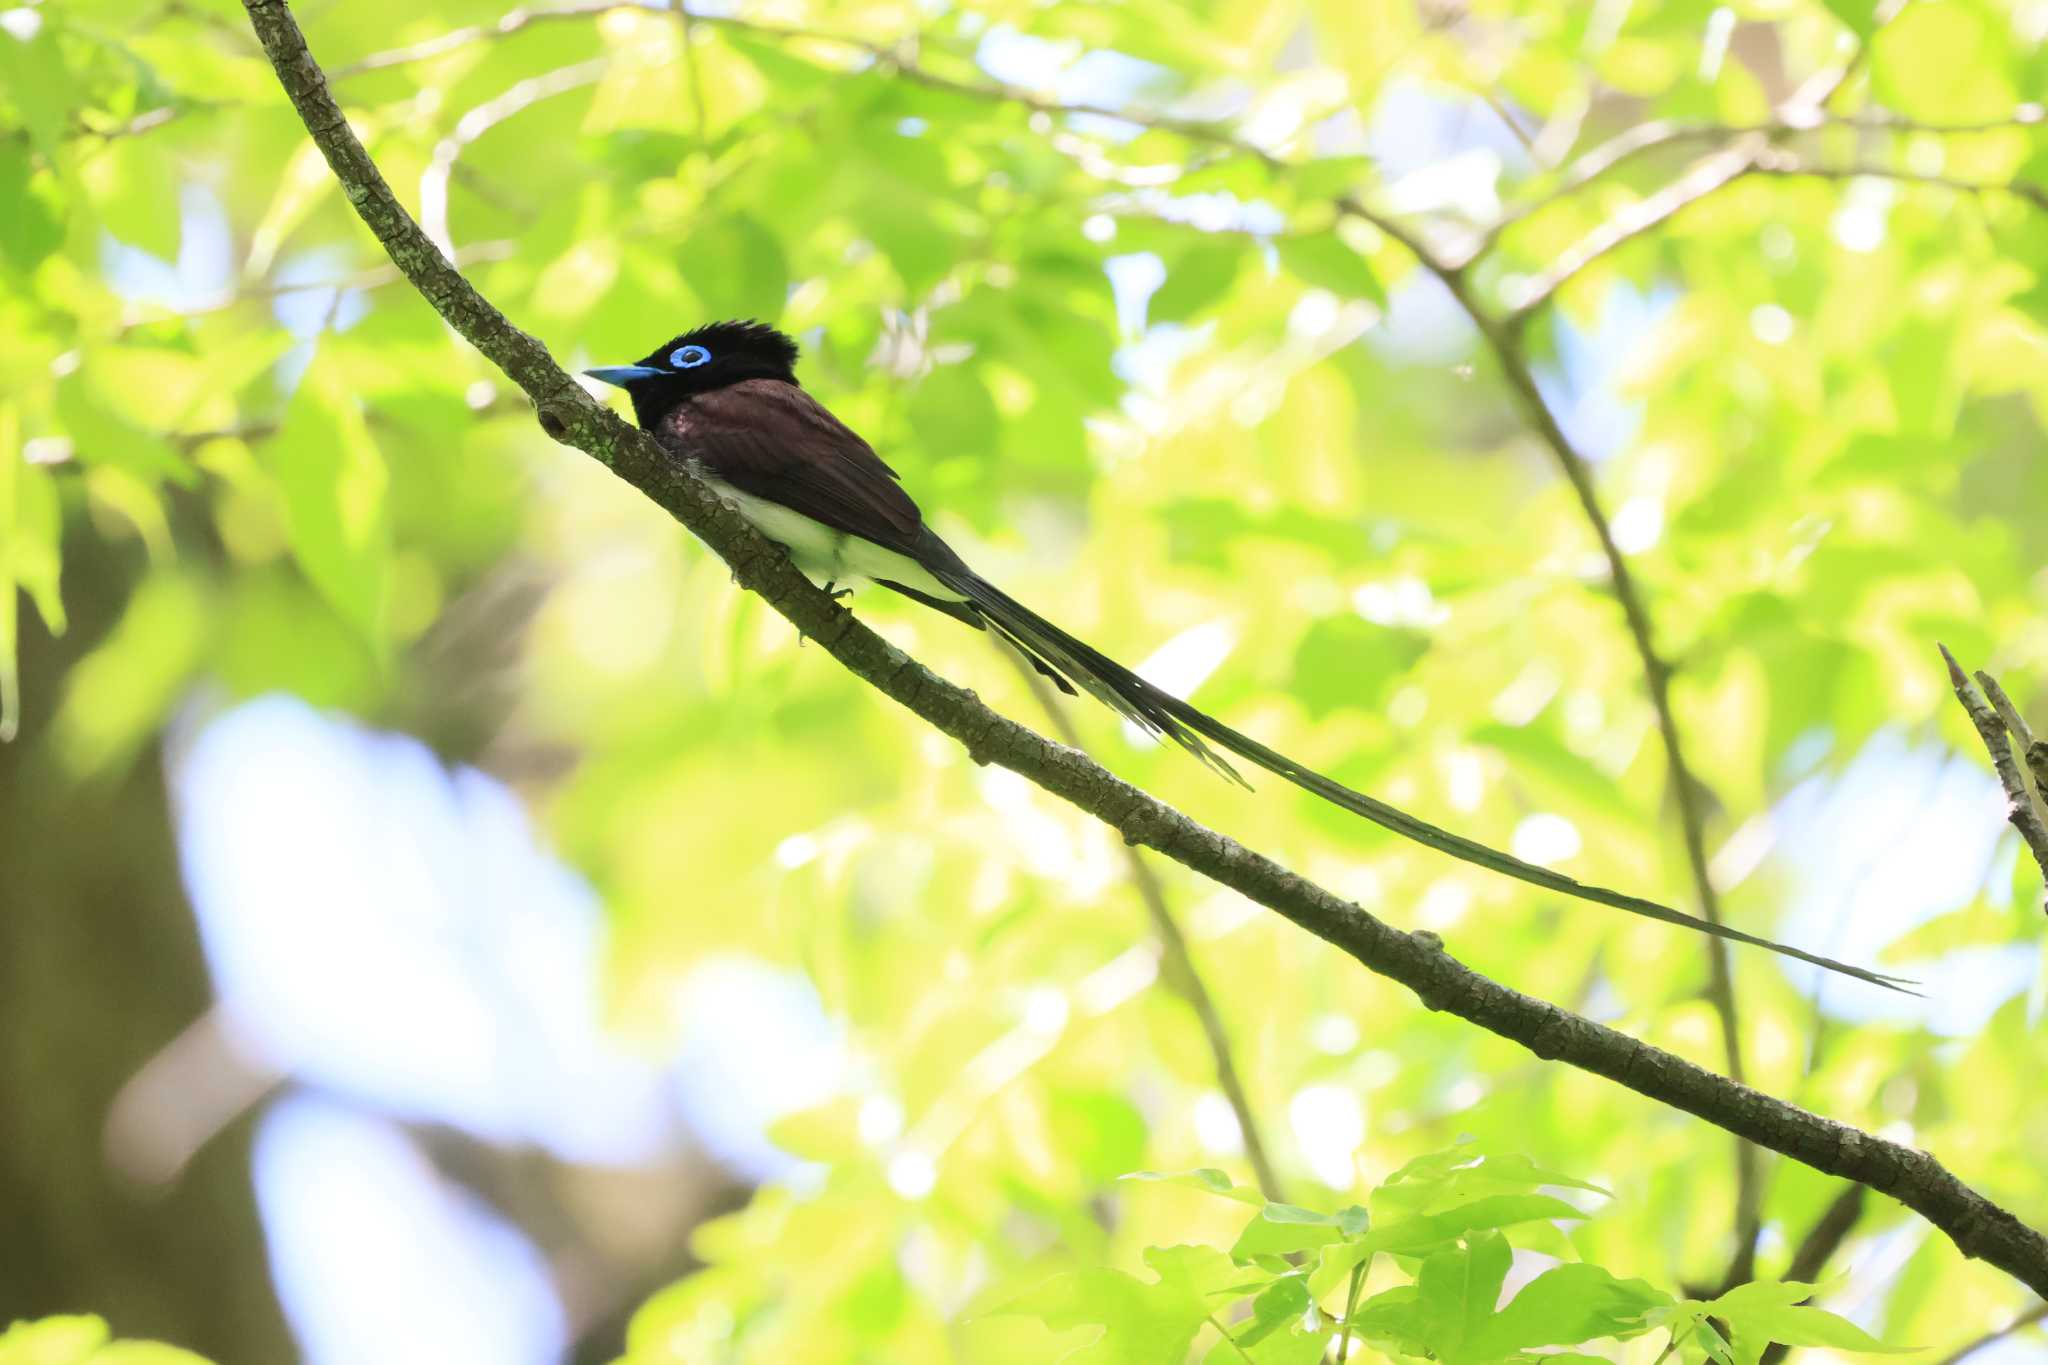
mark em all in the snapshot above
pixel 1977 1226
pixel 2033 751
pixel 1504 341
pixel 1629 144
pixel 1826 1236
pixel 1710 173
pixel 896 57
pixel 1177 966
pixel 1751 153
pixel 2019 802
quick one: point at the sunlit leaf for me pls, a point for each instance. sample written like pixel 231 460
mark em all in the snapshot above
pixel 334 484
pixel 1569 1304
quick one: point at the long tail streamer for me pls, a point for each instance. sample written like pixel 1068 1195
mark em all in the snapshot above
pixel 1160 713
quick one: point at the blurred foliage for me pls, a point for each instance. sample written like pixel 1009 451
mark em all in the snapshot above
pixel 1440 1223
pixel 1817 406
pixel 82 1341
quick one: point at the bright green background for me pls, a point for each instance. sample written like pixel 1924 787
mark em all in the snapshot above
pixel 1840 460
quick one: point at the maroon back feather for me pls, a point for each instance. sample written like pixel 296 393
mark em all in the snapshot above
pixel 774 441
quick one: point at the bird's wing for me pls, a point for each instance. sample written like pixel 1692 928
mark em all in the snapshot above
pixel 774 441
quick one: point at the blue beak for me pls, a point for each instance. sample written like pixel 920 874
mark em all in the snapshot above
pixel 621 375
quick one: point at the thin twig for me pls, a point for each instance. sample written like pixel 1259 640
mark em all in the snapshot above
pixel 1710 173
pixel 1671 1345
pixel 512 21
pixel 1631 143
pixel 1606 157
pixel 1822 86
pixel 1805 109
pixel 2034 752
pixel 1350 1308
pixel 2024 116
pixel 515 100
pixel 1502 338
pixel 1224 1332
pixel 150 120
pixel 2038 1313
pixel 893 57
pixel 1798 116
pixel 376 277
pixel 566 413
pixel 1783 163
pixel 1177 963
pixel 2019 802
pixel 1821 1242
pixel 1826 1235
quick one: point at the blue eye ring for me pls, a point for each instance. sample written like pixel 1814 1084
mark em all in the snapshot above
pixel 689 357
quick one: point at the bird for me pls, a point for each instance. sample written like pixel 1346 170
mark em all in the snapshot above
pixel 724 398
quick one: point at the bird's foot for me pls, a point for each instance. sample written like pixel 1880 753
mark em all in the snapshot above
pixel 837 593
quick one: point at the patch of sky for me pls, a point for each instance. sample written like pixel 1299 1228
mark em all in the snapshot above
pixel 306 302
pixel 379 1259
pixel 1417 127
pixel 1584 382
pixel 389 935
pixel 204 272
pixel 1073 74
pixel 1901 834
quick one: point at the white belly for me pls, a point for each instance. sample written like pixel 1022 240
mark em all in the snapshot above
pixel 827 555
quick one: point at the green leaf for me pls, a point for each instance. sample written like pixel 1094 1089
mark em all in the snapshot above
pixel 1142 1324
pixel 1195 279
pixel 1292 1347
pixel 1945 63
pixel 1765 1311
pixel 32 227
pixel 1859 15
pixel 1100 1131
pixel 1199 1270
pixel 144 1353
pixel 334 484
pixel 1393 1319
pixel 31 533
pixel 1278 1304
pixel 952 413
pixel 1456 1291
pixel 1283 1229
pixel 82 1341
pixel 120 693
pixel 1322 259
pixel 1569 1304
pixel 52 1341
pixel 34 556
pixel 1461 1174
pixel 1329 176
pixel 133 191
pixel 34 76
pixel 737 269
pixel 829 1132
pixel 1207 1179
pixel 1414 1236
pixel 100 435
pixel 1294 1213
pixel 1344 661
